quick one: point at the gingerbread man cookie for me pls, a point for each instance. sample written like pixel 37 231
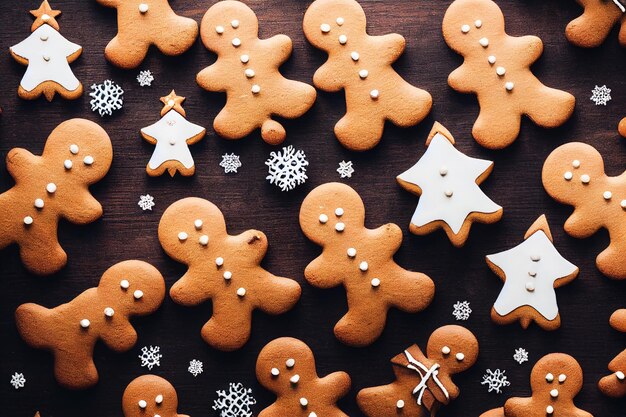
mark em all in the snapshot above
pixel 286 366
pixel 614 385
pixel 48 56
pixel 447 182
pixel 141 23
pixel 594 25
pixel 70 331
pixel 360 259
pixel 423 381
pixel 247 70
pixel 54 185
pixel 574 174
pixel 496 68
pixel 150 395
pixel 621 128
pixel 531 271
pixel 222 268
pixel 361 65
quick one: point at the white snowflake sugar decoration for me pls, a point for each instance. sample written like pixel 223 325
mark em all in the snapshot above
pixel 146 202
pixel 230 163
pixel 150 356
pixel 495 380
pixel 145 78
pixel 461 310
pixel 287 168
pixel 234 403
pixel 195 367
pixel 601 95
pixel 520 356
pixel 345 169
pixel 106 97
pixel 18 381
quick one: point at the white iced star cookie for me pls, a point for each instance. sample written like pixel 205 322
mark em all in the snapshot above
pixel 448 184
pixel 531 271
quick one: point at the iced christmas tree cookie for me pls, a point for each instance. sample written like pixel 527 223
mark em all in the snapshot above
pixel 48 56
pixel 594 25
pixel 150 395
pixel 172 134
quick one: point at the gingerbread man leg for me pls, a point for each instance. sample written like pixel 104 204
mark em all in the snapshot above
pixel 229 328
pixel 556 105
pixel 126 54
pixel 360 129
pixel 370 401
pixel 362 324
pixel 611 261
pixel 404 115
pixel 495 128
pixel 591 28
pixel 33 250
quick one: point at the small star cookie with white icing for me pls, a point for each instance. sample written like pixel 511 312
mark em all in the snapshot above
pixel 531 271
pixel 150 395
pixel 447 182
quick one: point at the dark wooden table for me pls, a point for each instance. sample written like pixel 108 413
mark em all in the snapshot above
pixel 248 201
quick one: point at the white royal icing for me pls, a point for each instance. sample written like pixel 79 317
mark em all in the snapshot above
pixel 56 68
pixel 450 197
pixel 516 263
pixel 171 133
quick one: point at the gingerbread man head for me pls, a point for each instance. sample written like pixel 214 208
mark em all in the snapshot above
pixel 150 396
pixel 454 348
pixel 220 36
pixel 328 22
pixel 477 20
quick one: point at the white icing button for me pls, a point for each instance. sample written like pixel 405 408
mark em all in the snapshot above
pixel 39 203
pixel 491 59
pixel 236 42
pixel 340 21
pixel 67 164
pixel 623 204
pixel 576 163
pixel 363 74
pixel 449 193
pixel 228 275
pixel 535 257
pixel 142 404
pixel 351 252
pixel 465 28
pixel 249 73
pixel 585 179
pixel 532 273
pixel 28 220
pixel 241 292
pixel 46 58
pixel 219 261
pixel 138 294
pixel 530 287
pixel 478 23
pixel 509 86
pixel 182 236
pixel 43 38
pixel 325 27
pixel 235 23
pixel 620 375
pixel 124 284
pixel 340 227
pixel 172 141
pixel 338 212
pixel 312 415
pixel 549 377
pixel 294 379
pixel 197 224
pixel 109 312
pixel 562 378
pixel 484 42
pixel 568 175
pixel 500 71
pixel 549 409
pixel 363 266
pixel 204 240
pixel 158 399
pixel 355 56
pixel 375 282
pixel 84 323
pixel 156 415
pixel 290 363
pixel 554 393
pixel 323 218
pixel 460 356
pixel 219 29
pixel 143 8
pixel 275 372
pixel 74 149
pixel 51 188
pixel 304 402
pixel 374 94
pixel 88 160
pixel 245 58
pixel 607 195
pixel 400 404
pixel 256 89
pixel 343 39
pixel 443 170
pixel 445 350
pixel 45 17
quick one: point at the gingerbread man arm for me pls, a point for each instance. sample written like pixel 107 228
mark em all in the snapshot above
pixel 391 46
pixel 518 407
pixel 210 78
pixel 120 337
pixel 460 80
pixel 390 237
pixel 109 3
pixel 331 382
pixel 618 320
pixel 252 242
pixel 622 32
pixel 20 163
pixel 581 223
pixel 83 208
pixel 327 77
pixel 529 49
pixel 279 46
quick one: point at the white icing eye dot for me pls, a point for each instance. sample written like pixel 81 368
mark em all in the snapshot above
pixel 400 404
pixel 294 379
pixel 304 402
pixel 340 21
pixel 51 188
pixel 623 204
pixel 323 218
pixel 197 224
pixel 325 27
pixel 275 372
pixel 290 363
pixel 491 59
pixel 67 164
pixel 109 312
pixel 484 42
pixel 607 195
pixel 74 149
pixel 465 28
pixel 84 323
pixel 530 287
pixel 138 294
pixel 509 86
pixel 351 252
pixel 124 284
pixel 142 404
pixel 235 23
pixel 460 356
pixel 549 377
pixel 340 227
pixel 549 409
pixel 203 240
pixel 355 56
pixel 249 73
pixel 443 170
pixel 500 71
pixel 374 94
pixel 241 292
pixel 245 58
pixel 158 399
pixel 363 74
pixel 228 275
pixel 554 393
pixel 375 282
pixel 338 212
pixel 88 160
pixel 219 261
pixel 562 378
pixel 620 375
pixel 343 39
pixel 449 193
pixel 143 8
pixel 182 236
pixel 585 179
pixel 576 163
pixel 236 42
pixel 478 23
pixel 256 89
pixel 568 175
pixel 28 220
pixel 535 257
pixel 445 350
pixel 39 203
pixel 363 266
pixel 219 29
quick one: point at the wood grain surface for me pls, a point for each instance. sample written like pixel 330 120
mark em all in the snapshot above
pixel 248 201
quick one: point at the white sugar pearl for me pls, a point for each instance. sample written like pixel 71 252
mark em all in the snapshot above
pixel 355 56
pixel 400 404
pixel 445 350
pixel 39 203
pixel 312 415
pixel 509 86
pixel 158 399
pixel 219 261
pixel 143 8
pixel 460 356
pixel 585 179
pixel 28 220
pixel 124 284
pixel 197 224
pixel 88 160
pixel 535 257
pixel 532 273
pixel 290 363
pixel 620 375
pixel 363 74
pixel 43 38
pixel 249 73
pixel 363 266
pixel 46 58
pixel 182 236
pixel 500 71
pixel 51 188
pixel 325 27
pixel 235 23
pixel 275 372
pixel 568 175
pixel 549 409
pixel 323 218
pixel 374 94
pixel 465 28
pixel 109 312
pixel 351 252
pixel 138 294
pixel 443 170
pixel 219 29
pixel 623 204
pixel 294 379
pixel 340 227
pixel 340 21
pixel 449 193
pixel 607 195
pixel 67 164
pixel 236 42
pixel 228 275
pixel 549 377
pixel 530 287
pixel 172 141
pixel 204 240
pixel 74 149
pixel 84 323
pixel 554 393
pixel 304 402
pixel 45 17
pixel 576 163
pixel 562 378
pixel 142 404
pixel 478 23
pixel 343 39
pixel 375 282
pixel 245 58
pixel 491 59
pixel 338 212
pixel 171 103
pixel 256 89
pixel 484 42
pixel 241 292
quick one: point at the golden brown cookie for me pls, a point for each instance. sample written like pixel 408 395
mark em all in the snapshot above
pixel 247 70
pixel 621 128
pixel 360 259
pixel 286 366
pixel 574 174
pixel 48 56
pixel 614 385
pixel 172 134
pixel 52 186
pixel 141 23
pixel 594 25
pixel 447 182
pixel 222 268
pixel 361 65
pixel 423 381
pixel 150 395
pixel 70 331
pixel 496 68
pixel 531 271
